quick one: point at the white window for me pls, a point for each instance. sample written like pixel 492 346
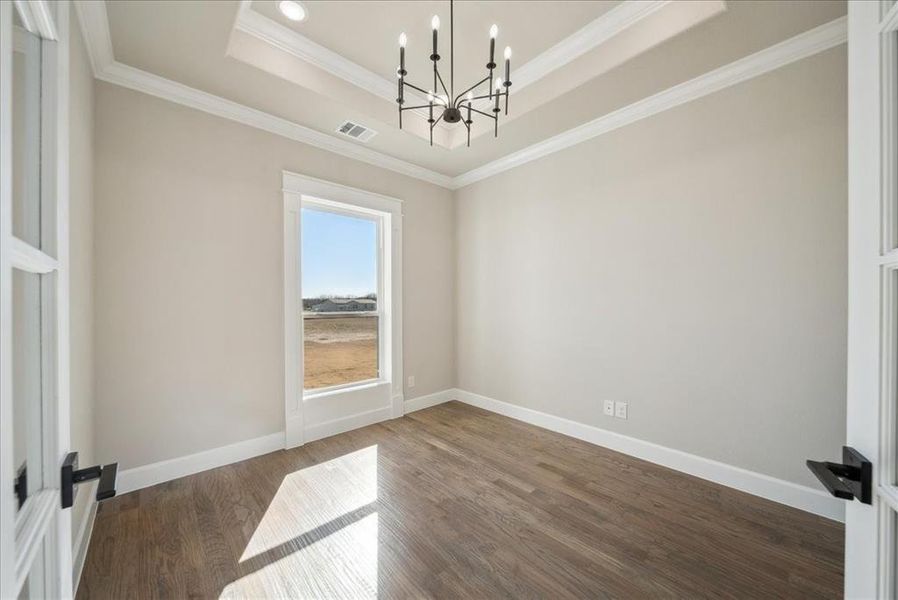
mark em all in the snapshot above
pixel 342 308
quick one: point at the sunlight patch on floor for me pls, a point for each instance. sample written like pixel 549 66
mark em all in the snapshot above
pixel 318 537
pixel 342 564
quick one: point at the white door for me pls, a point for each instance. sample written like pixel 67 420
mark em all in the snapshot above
pixel 35 533
pixel 870 530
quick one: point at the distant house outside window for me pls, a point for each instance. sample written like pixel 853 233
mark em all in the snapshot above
pixel 341 320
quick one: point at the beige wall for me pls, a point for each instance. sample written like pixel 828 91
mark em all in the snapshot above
pixel 81 216
pixel 692 264
pixel 189 276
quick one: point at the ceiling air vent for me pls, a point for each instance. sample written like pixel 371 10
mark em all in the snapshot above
pixel 356 131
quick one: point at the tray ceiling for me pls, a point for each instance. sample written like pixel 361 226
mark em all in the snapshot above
pixel 571 59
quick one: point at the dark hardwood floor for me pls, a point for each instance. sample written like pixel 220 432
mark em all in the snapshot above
pixel 455 502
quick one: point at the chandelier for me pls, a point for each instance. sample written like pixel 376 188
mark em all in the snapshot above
pixel 450 106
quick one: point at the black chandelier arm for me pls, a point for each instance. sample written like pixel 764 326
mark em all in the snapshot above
pixel 490 96
pixel 436 122
pixel 451 51
pixel 475 86
pixel 440 77
pixel 414 87
pixel 480 112
pixel 414 107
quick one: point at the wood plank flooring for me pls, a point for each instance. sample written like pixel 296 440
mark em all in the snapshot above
pixel 455 502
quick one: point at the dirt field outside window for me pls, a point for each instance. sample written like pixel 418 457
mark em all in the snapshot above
pixel 339 350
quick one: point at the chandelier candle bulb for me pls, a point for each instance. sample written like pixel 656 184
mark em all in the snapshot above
pixel 498 87
pixel 494 31
pixel 435 23
pixel 507 63
pixel 402 41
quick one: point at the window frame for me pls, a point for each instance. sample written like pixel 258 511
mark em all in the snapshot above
pixel 298 189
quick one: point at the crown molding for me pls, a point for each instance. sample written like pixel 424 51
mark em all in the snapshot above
pixel 148 83
pixel 824 37
pixel 94 25
pixel 95 29
pixel 285 39
pixel 594 34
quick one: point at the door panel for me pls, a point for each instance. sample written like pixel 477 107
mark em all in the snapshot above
pixel 35 533
pixel 870 531
pixel 27 383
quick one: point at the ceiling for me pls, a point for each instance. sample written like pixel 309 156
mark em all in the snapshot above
pixel 572 61
pixel 368 33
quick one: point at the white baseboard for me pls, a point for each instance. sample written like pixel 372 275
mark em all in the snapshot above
pixel 771 488
pixel 422 402
pixel 137 478
pixel 166 470
pixel 82 540
pixel 329 428
pixel 765 486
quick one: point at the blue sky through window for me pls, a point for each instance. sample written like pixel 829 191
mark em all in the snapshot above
pixel 339 255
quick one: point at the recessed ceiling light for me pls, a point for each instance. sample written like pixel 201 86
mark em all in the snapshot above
pixel 292 10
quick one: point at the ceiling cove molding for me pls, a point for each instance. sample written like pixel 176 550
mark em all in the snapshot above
pixel 142 81
pixel 594 34
pixel 95 29
pixel 285 39
pixel 824 37
pixel 597 32
pixel 94 25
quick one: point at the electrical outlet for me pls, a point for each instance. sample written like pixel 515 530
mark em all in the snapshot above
pixel 609 408
pixel 411 381
pixel 620 410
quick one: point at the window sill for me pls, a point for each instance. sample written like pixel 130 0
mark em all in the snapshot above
pixel 339 389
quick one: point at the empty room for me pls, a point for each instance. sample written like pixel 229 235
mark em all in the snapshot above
pixel 448 299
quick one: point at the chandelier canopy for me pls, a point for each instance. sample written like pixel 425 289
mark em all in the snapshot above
pixel 450 105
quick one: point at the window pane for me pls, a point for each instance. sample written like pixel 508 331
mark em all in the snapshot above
pixel 26 136
pixel 339 286
pixel 26 377
pixel 339 349
pixel 890 143
pixel 889 414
